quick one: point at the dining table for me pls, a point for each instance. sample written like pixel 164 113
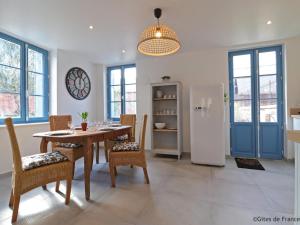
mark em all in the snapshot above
pixel 86 139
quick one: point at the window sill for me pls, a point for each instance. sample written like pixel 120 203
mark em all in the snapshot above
pixel 27 124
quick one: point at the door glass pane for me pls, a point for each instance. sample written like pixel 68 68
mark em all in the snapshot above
pixel 115 92
pixel 242 111
pixel 35 84
pixel 35 61
pixel 268 110
pixel 115 109
pixel 130 92
pixel 10 53
pixel 242 65
pixel 115 77
pixel 267 63
pixel 242 88
pixel 130 107
pixel 130 75
pixel 9 79
pixel 268 87
pixel 36 106
pixel 10 105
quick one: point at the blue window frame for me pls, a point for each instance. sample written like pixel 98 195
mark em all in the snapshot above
pixel 256 102
pixel 23 81
pixel 121 91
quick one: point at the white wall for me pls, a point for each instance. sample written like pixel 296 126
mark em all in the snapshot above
pixel 209 67
pixel 53 81
pixel 66 104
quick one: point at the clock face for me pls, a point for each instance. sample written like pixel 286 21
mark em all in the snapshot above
pixel 78 83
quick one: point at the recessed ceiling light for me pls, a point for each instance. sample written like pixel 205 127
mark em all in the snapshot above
pixel 91 27
pixel 123 51
pixel 269 22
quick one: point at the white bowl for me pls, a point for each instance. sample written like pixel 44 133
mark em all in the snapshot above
pixel 160 125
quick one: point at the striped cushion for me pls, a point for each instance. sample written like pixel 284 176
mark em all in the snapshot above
pixel 126 146
pixel 38 160
pixel 69 145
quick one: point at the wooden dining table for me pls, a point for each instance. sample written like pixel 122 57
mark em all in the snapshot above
pixel 86 138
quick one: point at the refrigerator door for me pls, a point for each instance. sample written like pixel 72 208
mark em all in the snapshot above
pixel 207 128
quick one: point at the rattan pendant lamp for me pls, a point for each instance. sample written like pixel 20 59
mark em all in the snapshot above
pixel 158 39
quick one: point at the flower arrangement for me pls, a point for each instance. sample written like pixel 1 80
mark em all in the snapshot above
pixel 84 116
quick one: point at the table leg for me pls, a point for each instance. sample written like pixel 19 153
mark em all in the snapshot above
pixel 43 149
pixel 87 166
pixel 43 145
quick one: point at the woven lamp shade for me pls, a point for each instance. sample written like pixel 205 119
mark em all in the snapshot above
pixel 152 45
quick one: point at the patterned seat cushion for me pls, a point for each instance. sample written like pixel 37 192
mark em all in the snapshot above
pixel 126 146
pixel 122 138
pixel 69 145
pixel 38 160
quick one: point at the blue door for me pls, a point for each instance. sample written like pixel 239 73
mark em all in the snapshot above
pixel 256 103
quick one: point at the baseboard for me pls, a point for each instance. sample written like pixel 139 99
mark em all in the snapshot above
pixel 7 174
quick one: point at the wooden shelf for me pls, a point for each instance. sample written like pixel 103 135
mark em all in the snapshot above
pixel 165 130
pixel 168 110
pixel 164 114
pixel 167 151
pixel 163 99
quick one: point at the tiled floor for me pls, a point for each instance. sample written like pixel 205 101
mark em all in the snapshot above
pixel 179 193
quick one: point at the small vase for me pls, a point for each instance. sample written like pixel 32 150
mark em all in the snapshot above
pixel 159 94
pixel 84 126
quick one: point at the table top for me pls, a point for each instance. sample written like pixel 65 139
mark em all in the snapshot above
pixel 79 133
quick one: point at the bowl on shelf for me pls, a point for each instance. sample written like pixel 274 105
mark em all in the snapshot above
pixel 160 125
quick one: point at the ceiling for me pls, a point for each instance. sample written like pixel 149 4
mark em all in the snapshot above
pixel 200 24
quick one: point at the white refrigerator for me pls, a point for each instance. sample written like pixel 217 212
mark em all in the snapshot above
pixel 207 128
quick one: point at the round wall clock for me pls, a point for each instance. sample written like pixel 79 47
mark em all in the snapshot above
pixel 78 83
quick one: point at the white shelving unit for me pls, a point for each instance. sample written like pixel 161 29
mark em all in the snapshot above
pixel 167 109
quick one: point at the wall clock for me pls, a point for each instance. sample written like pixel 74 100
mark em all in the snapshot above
pixel 78 83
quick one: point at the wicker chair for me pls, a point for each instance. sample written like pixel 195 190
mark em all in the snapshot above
pixel 129 153
pixel 27 176
pixel 72 151
pixel 125 119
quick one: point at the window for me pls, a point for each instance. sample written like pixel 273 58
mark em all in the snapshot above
pixel 121 91
pixel 23 81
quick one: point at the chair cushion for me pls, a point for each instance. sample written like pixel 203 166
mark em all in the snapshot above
pixel 38 160
pixel 126 146
pixel 69 145
pixel 122 138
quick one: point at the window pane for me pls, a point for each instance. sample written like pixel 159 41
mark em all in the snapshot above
pixel 130 75
pixel 130 107
pixel 267 63
pixel 115 77
pixel 130 92
pixel 35 84
pixel 242 111
pixel 35 61
pixel 268 87
pixel 115 109
pixel 36 106
pixel 10 53
pixel 9 79
pixel 268 110
pixel 242 65
pixel 242 88
pixel 10 105
pixel 115 93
